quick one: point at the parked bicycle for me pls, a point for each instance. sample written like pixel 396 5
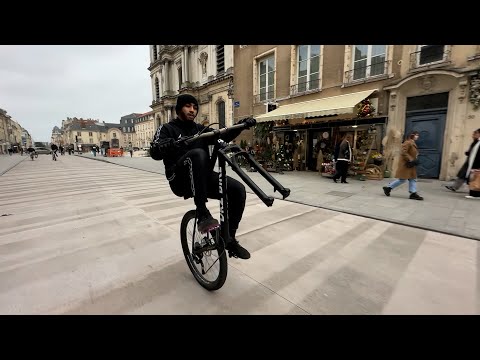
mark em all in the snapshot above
pixel 205 253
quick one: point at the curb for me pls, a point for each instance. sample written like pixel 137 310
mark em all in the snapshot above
pixel 11 167
pixel 416 226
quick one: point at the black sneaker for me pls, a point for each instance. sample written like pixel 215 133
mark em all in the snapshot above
pixel 387 190
pixel 236 250
pixel 415 196
pixel 451 188
pixel 206 222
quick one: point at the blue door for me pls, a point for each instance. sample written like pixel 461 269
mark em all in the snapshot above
pixel 431 126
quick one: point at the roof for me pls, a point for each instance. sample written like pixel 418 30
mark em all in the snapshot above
pixel 88 127
pixel 334 105
pixel 113 125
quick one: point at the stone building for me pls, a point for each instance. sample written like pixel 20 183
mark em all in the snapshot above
pixel 316 93
pixel 205 71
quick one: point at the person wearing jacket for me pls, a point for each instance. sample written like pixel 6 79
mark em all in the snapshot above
pixel 190 173
pixel 343 159
pixel 407 168
pixel 473 165
pixel 462 173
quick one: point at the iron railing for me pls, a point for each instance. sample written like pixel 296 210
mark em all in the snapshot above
pixel 430 54
pixel 264 96
pixel 304 87
pixel 367 72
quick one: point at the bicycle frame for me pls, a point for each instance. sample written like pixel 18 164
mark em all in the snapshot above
pixel 228 154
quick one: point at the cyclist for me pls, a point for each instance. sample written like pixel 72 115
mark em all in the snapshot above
pixel 190 174
pixel 31 152
pixel 54 150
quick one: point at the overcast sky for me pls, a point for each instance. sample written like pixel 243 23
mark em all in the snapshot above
pixel 42 85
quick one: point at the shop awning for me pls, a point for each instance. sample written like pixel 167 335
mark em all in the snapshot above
pixel 335 105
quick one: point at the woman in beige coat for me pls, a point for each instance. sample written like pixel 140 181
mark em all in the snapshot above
pixel 407 168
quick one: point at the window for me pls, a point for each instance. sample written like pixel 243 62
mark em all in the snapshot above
pixel 157 89
pixel 430 54
pixel 220 59
pixel 308 63
pixel 179 78
pixel 90 140
pixel 221 114
pixel 266 72
pixel 114 135
pixel 90 133
pixel 369 60
pixel 79 133
pixel 124 129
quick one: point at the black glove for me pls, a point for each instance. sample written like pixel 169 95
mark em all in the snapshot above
pixel 412 163
pixel 249 121
pixel 166 144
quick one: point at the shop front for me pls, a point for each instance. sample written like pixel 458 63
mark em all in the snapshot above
pixel 313 144
pixel 309 137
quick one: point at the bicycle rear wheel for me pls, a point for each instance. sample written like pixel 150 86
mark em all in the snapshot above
pixel 204 253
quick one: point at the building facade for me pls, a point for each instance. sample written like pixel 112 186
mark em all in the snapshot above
pixel 313 94
pixel 144 129
pixel 57 136
pixel 205 71
pixel 127 123
pixel 12 134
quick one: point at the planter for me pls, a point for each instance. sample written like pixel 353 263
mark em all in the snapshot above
pixel 378 162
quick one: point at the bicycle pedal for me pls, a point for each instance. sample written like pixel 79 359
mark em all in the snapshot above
pixel 214 227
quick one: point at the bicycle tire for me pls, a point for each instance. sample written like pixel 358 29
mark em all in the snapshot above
pixel 220 248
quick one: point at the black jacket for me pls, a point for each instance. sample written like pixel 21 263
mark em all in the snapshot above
pixel 175 129
pixel 476 161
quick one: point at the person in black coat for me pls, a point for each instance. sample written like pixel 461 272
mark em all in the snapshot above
pixel 473 162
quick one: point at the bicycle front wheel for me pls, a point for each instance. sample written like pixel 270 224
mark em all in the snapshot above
pixel 204 253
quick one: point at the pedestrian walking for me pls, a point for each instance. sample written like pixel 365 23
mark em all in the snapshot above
pixel 462 173
pixel 343 159
pixel 473 168
pixel 407 168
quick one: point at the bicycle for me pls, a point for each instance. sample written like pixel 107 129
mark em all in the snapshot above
pixel 199 250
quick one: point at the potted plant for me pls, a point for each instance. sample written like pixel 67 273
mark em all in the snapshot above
pixel 377 158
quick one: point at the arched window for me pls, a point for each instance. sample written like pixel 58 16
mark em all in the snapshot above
pixel 157 89
pixel 221 114
pixel 220 58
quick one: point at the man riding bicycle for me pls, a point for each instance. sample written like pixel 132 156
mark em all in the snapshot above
pixel 54 150
pixel 190 173
pixel 31 150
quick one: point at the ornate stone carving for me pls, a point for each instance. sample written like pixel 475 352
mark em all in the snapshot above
pixel 475 91
pixel 426 83
pixel 203 61
pixel 393 101
pixel 203 99
pixel 230 91
pixel 462 86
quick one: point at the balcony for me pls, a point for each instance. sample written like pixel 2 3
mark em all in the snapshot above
pixel 430 56
pixel 305 87
pixel 368 73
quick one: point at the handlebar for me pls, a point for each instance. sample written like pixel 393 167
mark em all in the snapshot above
pixel 189 139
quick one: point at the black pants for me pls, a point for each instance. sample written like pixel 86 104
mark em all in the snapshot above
pixel 341 168
pixel 193 178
